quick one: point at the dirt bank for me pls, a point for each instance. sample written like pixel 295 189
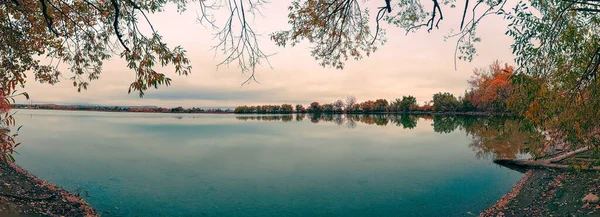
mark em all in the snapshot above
pixel 24 195
pixel 544 192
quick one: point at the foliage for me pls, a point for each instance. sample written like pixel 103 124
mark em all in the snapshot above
pixel 557 49
pixel 367 106
pixel 491 87
pixel 445 102
pixel 286 109
pixel 442 102
pixel 407 103
pixel 79 34
pixel 315 107
pixel 265 109
pixel 300 109
pixel 327 108
pixel 381 105
pixel 148 109
pixel 355 108
pixel 339 29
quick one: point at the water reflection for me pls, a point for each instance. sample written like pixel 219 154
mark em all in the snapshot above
pixel 271 165
pixel 491 137
pixel 503 138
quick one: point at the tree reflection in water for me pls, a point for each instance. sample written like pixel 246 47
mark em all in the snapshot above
pixel 491 137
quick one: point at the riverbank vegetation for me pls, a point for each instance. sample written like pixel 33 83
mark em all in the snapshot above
pixel 147 109
pixel 490 90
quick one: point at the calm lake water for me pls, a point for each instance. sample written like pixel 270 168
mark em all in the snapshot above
pixel 133 164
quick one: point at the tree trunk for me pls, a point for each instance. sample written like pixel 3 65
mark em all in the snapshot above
pixel 547 163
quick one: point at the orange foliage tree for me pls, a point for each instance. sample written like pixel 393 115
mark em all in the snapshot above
pixel 491 87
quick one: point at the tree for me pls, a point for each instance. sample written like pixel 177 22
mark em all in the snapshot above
pixel 356 108
pixel 408 103
pixel 555 43
pixel 350 101
pixel 327 108
pixel 558 56
pixel 286 109
pixel 465 104
pixel 381 105
pixel 78 33
pixel 338 106
pixel 367 106
pixel 491 88
pixel 300 109
pixel 314 107
pixel 445 102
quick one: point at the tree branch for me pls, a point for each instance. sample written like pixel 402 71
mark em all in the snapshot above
pixel 47 17
pixel 116 24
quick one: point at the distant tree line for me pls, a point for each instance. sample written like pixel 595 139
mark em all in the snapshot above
pixel 150 109
pixel 265 109
pixel 490 91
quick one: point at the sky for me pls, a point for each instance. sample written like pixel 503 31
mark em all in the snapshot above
pixel 418 64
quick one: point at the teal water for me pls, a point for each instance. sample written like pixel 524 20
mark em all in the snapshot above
pixel 132 164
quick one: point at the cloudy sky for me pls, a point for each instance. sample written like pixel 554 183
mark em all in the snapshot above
pixel 418 64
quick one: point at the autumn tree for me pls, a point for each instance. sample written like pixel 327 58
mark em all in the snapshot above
pixel 286 109
pixel 555 43
pixel 558 54
pixel 80 34
pixel 315 107
pixel 491 87
pixel 381 105
pixel 367 106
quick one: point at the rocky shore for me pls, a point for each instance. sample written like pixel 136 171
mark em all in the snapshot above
pixel 544 192
pixel 24 195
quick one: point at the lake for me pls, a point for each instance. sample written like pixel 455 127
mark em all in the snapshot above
pixel 142 164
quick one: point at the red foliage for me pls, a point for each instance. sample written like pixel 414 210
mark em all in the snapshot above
pixel 4 104
pixel 490 85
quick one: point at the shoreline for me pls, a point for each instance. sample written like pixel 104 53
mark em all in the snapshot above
pixel 108 111
pixel 547 192
pixel 23 194
pixel 297 113
pixel 504 200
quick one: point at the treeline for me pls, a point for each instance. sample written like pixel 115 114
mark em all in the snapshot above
pixel 148 109
pixel 442 102
pixel 490 91
pixel 265 109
